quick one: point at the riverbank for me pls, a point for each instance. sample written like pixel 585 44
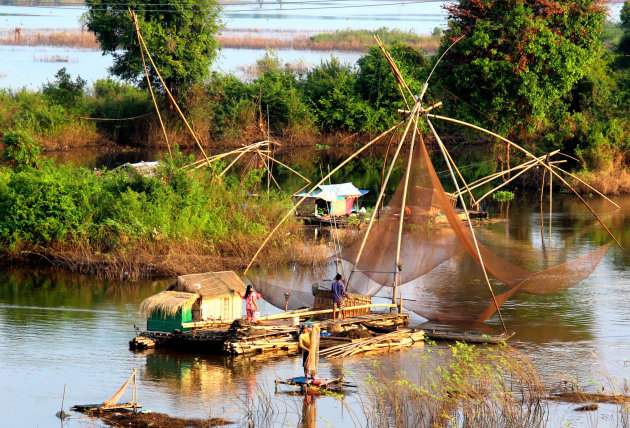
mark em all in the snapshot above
pixel 124 225
pixel 242 38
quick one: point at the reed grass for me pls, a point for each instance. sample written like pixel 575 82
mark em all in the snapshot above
pixel 345 40
pixel 341 40
pixel 54 58
pixel 461 385
pixel 69 39
pixel 614 179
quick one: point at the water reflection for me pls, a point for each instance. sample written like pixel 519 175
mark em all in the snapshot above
pixel 58 329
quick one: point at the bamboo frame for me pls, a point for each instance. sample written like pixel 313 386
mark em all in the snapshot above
pixel 401 220
pixel 275 229
pixel 146 73
pixel 548 167
pixel 380 197
pixel 484 180
pixel 469 221
pixel 286 315
pixel 168 91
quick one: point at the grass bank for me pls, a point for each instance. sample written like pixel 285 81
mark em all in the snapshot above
pixel 121 225
pixel 340 40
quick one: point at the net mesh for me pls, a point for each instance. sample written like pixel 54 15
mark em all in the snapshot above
pixel 441 276
pixel 434 233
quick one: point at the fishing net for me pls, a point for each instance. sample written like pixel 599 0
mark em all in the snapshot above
pixel 441 277
pixel 433 234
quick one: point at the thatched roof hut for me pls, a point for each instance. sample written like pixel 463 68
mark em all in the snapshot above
pixel 209 284
pixel 211 296
pixel 168 303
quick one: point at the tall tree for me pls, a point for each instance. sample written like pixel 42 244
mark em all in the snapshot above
pixel 518 57
pixel 180 34
pixel 624 43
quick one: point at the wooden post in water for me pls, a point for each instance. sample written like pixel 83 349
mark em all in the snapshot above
pixel 550 201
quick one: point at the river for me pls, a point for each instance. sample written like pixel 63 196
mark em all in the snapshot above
pixel 58 330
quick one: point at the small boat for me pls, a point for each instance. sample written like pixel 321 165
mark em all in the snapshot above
pixel 379 327
pixel 467 336
pixel 314 386
pixel 112 403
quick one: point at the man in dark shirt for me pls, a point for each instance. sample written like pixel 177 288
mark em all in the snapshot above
pixel 338 292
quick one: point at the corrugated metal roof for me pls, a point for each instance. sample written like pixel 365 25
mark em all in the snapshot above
pixel 332 192
pixel 343 189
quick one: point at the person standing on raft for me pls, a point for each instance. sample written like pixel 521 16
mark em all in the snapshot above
pixel 304 343
pixel 250 302
pixel 339 293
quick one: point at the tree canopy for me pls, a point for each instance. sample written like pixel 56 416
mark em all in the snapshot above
pixel 624 44
pixel 518 57
pixel 180 34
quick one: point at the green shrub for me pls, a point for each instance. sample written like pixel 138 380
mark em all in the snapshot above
pixel 21 150
pixel 330 90
pixel 64 91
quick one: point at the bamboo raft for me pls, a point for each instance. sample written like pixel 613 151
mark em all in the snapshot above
pixel 241 338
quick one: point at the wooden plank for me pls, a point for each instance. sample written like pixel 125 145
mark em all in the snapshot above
pixel 326 311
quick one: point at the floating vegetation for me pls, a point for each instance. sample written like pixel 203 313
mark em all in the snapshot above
pixel 54 58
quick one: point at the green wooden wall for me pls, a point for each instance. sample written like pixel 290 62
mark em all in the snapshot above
pixel 159 322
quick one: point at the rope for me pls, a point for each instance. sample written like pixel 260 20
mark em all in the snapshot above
pixel 122 118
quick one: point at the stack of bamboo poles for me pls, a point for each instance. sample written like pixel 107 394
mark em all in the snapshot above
pixel 390 341
pixel 285 344
pixel 276 340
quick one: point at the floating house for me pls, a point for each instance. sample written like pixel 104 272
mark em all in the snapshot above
pixel 212 296
pixel 333 199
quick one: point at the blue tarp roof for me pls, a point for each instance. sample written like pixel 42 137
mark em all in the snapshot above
pixel 332 192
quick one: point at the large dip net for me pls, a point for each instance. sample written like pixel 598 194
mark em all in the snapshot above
pixel 441 278
pixel 443 269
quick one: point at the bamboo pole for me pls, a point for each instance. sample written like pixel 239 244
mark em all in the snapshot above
pixel 287 167
pixel 168 91
pixel 548 167
pixel 231 152
pixel 232 163
pixel 146 73
pixel 324 311
pixel 403 206
pixel 336 239
pixel 542 216
pixel 355 154
pixel 512 178
pixel 201 163
pixel 269 175
pixel 470 225
pixel 380 195
pixel 484 180
pixel 550 202
pixel 395 70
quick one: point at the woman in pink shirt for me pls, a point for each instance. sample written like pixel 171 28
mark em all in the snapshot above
pixel 250 302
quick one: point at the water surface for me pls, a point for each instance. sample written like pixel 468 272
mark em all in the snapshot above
pixel 58 329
